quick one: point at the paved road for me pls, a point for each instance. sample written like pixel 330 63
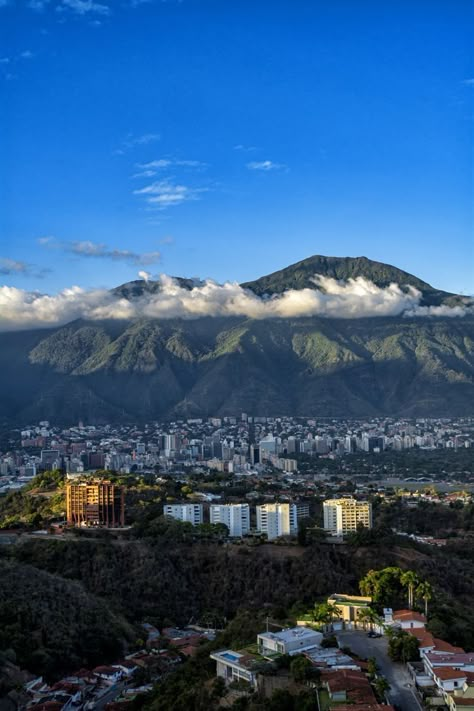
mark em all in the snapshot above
pixel 402 690
pixel 114 691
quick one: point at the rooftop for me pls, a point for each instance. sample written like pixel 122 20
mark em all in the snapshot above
pixel 290 634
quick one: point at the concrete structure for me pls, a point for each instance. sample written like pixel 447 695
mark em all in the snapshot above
pixel 95 503
pixel 235 516
pixel 350 605
pixel 343 516
pixel 290 641
pixel 235 666
pixel 277 520
pixel 184 512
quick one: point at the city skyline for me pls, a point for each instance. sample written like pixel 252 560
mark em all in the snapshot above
pixel 228 142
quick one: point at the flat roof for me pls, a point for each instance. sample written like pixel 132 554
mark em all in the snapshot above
pixel 291 634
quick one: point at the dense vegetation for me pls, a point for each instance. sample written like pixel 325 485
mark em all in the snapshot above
pixel 147 369
pixel 50 625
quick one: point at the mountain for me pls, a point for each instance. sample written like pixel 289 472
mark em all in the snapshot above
pixel 157 368
pixel 300 276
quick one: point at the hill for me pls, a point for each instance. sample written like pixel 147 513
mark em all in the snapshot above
pixel 152 368
pixel 52 624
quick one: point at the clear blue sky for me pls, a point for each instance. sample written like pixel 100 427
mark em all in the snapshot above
pixel 234 137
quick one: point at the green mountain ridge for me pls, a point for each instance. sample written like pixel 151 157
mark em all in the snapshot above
pixel 157 368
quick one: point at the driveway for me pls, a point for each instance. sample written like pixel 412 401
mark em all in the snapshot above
pixel 401 685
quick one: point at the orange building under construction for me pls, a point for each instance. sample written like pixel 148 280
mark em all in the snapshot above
pixel 95 503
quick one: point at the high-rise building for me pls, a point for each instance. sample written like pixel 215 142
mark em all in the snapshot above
pixel 343 516
pixel 184 512
pixel 235 516
pixel 95 503
pixel 277 520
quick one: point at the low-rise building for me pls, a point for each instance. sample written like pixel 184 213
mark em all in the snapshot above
pixel 409 619
pixel 349 606
pixel 293 640
pixel 235 666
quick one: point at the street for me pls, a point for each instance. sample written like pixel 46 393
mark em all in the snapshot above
pixel 402 693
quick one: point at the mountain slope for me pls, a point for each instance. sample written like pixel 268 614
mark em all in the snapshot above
pixel 311 366
pixel 152 368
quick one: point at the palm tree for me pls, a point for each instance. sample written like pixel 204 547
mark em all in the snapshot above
pixel 368 615
pixel 410 580
pixel 326 612
pixel 425 591
pixel 382 686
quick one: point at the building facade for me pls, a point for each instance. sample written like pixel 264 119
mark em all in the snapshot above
pixel 95 503
pixel 235 516
pixel 184 512
pixel 277 520
pixel 343 516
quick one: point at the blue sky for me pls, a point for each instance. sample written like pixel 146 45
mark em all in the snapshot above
pixel 228 139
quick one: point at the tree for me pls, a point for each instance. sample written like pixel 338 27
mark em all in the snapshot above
pixel 403 647
pixel 382 686
pixel 372 666
pixel 425 592
pixel 326 612
pixel 382 585
pixel 367 615
pixel 410 581
pixel 301 668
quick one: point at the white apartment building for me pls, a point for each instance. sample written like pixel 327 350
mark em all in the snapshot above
pixel 184 512
pixel 277 520
pixel 235 516
pixel 343 516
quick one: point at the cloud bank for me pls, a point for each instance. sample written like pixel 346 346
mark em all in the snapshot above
pixel 356 298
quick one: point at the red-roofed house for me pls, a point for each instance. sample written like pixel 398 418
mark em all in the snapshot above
pixel 409 619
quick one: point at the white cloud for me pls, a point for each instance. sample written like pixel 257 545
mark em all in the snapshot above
pixel 265 165
pixel 169 162
pixel 84 7
pixel 87 248
pixel 163 194
pixel 145 174
pixel 245 149
pixel 356 298
pixel 146 276
pixel 12 266
pixel 132 141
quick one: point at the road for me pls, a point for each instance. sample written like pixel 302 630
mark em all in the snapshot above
pixel 114 691
pixel 401 692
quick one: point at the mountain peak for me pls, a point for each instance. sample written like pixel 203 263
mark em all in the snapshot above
pixel 300 276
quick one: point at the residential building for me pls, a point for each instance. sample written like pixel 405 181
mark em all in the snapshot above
pixel 235 516
pixel 184 512
pixel 277 520
pixel 343 516
pixel 409 619
pixel 95 503
pixel 349 606
pixel 289 641
pixel 235 666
